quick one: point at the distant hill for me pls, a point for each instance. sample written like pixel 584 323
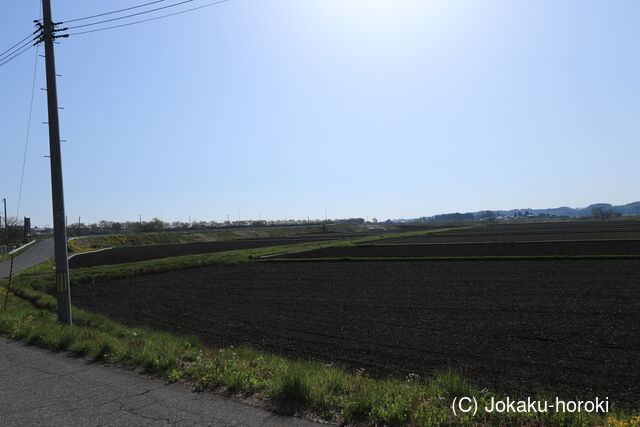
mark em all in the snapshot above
pixel 563 211
pixel 628 209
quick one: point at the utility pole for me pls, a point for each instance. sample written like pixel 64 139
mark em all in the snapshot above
pixel 63 291
pixel 6 224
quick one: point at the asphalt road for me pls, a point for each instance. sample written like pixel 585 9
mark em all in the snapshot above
pixel 32 256
pixel 40 387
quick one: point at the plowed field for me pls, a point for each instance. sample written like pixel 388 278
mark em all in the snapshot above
pixel 566 248
pixel 553 231
pixel 571 327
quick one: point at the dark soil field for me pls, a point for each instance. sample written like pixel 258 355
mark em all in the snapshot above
pixel 571 327
pixel 511 237
pixel 554 231
pixel 574 248
pixel 143 253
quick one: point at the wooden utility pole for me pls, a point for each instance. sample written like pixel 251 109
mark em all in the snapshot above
pixel 63 291
pixel 6 224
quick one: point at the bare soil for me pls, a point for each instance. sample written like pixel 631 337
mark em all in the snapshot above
pixel 553 231
pixel 571 327
pixel 561 248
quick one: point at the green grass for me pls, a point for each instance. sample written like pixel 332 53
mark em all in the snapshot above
pixel 291 386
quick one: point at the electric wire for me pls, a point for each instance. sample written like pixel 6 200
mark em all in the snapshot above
pixel 149 19
pixel 17 48
pixel 112 12
pixel 20 42
pixel 26 142
pixel 11 58
pixel 130 15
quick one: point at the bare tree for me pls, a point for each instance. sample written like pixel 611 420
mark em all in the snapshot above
pixel 15 232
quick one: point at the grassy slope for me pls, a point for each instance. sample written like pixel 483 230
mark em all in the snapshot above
pixel 328 391
pixel 116 240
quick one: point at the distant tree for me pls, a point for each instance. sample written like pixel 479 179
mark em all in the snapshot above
pixel 154 225
pixel 452 217
pixel 487 215
pixel 16 231
pixel 105 225
pixel 603 213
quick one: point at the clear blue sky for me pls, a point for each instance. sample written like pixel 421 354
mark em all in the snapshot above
pixel 374 108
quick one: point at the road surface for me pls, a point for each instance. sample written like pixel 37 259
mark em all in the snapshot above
pixel 40 387
pixel 35 254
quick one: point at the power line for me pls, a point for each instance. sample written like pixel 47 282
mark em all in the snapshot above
pixel 130 15
pixel 15 56
pixel 26 142
pixel 20 42
pixel 16 48
pixel 115 11
pixel 149 19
